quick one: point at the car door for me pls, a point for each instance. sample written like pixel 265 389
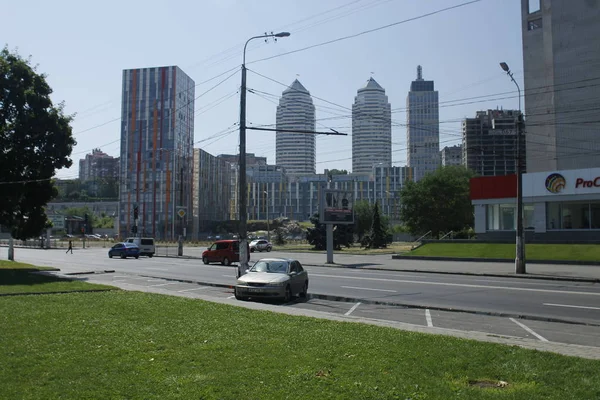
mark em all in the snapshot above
pixel 294 277
pixel 116 249
pixel 211 253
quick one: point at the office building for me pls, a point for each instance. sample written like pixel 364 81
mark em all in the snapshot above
pixel 157 135
pixel 489 144
pixel 371 129
pixel 561 54
pixel 451 155
pixel 423 126
pixel 296 152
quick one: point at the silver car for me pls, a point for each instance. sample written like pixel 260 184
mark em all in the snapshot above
pixel 273 278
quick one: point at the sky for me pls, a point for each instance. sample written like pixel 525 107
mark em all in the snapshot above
pixel 83 47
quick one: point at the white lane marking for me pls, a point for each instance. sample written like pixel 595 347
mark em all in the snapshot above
pixel 231 297
pixel 352 309
pixel 189 290
pixel 428 318
pixel 459 285
pixel 570 306
pixel 155 280
pixel 120 276
pixel 157 269
pixel 543 339
pixel 165 284
pixel 364 288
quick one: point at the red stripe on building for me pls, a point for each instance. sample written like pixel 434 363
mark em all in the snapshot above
pixel 493 187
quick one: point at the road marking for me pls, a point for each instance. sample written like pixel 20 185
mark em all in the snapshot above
pixel 364 288
pixel 543 339
pixel 458 284
pixel 231 297
pixel 428 318
pixel 189 290
pixel 120 276
pixel 165 284
pixel 352 309
pixel 155 280
pixel 566 305
pixel 157 269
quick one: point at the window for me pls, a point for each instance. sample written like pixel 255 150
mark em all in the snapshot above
pixel 595 215
pixel 534 24
pixel 572 216
pixel 534 6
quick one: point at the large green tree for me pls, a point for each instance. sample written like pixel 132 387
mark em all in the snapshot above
pixel 439 202
pixel 35 140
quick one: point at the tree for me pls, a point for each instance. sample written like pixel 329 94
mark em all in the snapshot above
pixel 363 218
pixel 338 172
pixel 280 236
pixel 439 202
pixel 378 236
pixel 35 140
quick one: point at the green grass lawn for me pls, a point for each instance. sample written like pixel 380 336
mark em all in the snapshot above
pixel 354 249
pixel 568 252
pixel 16 278
pixel 132 345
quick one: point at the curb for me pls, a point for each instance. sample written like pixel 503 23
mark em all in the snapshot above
pixel 537 277
pixel 495 260
pixel 398 304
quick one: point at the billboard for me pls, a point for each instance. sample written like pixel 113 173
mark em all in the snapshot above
pixel 336 206
pixel 58 221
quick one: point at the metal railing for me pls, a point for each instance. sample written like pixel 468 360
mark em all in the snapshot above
pixel 451 233
pixel 413 244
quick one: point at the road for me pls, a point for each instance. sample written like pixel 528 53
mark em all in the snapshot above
pixel 558 300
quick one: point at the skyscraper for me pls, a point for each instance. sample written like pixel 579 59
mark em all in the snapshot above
pixel 423 126
pixel 157 136
pixel 371 129
pixel 296 152
pixel 561 54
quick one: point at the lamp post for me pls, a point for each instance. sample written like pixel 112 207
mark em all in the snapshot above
pixel 267 209
pixel 243 211
pixel 520 242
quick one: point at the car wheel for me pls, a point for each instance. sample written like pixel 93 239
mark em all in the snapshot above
pixel 110 256
pixel 252 250
pixel 136 257
pixel 123 255
pixel 205 260
pixel 150 255
pixel 268 249
pixel 304 291
pixel 226 261
pixel 288 294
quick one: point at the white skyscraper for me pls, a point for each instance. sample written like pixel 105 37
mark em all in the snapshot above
pixel 371 129
pixel 296 152
pixel 423 126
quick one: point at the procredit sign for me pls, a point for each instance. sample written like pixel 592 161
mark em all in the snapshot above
pixel 566 182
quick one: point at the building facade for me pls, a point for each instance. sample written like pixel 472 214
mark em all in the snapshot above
pixel 157 135
pixel 296 152
pixel 423 126
pixel 211 192
pixel 489 142
pixel 98 165
pixel 451 155
pixel 558 206
pixel 251 159
pixel 561 54
pixel 371 129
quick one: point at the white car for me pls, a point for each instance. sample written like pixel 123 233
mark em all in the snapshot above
pixel 260 245
pixel 279 278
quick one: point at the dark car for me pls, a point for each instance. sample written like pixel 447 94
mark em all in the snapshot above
pixel 124 250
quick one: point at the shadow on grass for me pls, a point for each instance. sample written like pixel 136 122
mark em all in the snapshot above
pixel 26 277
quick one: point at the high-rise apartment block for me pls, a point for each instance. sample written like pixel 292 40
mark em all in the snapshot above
pixel 561 54
pixel 98 165
pixel 423 126
pixel 371 129
pixel 296 152
pixel 490 142
pixel 157 135
pixel 451 155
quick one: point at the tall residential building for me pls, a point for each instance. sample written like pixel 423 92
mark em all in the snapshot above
pixel 98 165
pixel 489 142
pixel 371 129
pixel 251 159
pixel 157 136
pixel 451 155
pixel 423 126
pixel 296 152
pixel 561 54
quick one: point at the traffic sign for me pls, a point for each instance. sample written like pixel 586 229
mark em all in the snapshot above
pixel 181 213
pixel 58 221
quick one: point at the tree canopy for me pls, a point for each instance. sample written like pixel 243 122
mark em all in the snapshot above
pixel 35 140
pixel 439 202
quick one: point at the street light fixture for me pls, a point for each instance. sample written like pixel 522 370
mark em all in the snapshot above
pixel 520 239
pixel 243 211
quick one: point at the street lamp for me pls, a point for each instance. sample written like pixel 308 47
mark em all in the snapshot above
pixel 243 212
pixel 268 230
pixel 520 242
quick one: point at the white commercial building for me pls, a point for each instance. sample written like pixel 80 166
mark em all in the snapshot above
pixel 371 129
pixel 296 152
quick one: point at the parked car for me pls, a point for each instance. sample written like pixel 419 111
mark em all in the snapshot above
pixel 273 278
pixel 145 244
pixel 223 251
pixel 124 250
pixel 261 245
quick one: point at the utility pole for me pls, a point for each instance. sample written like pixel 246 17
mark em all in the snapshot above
pixel 520 242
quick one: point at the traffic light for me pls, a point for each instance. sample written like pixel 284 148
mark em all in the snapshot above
pixel 134 229
pixel 135 212
pixel 85 219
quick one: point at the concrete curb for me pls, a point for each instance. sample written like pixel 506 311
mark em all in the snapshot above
pixel 398 304
pixel 496 260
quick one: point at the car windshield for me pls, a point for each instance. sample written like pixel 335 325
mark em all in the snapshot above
pixel 274 266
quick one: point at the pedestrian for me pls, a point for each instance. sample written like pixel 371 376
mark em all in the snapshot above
pixel 70 247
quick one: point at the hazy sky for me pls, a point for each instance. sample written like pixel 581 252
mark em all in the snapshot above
pixel 83 47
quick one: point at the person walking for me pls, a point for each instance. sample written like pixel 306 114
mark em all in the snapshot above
pixel 70 247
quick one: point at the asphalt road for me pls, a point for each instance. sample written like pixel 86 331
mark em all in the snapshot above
pixel 573 301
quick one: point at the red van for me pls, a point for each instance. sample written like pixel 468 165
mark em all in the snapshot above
pixel 223 251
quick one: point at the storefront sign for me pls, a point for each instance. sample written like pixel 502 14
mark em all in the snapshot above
pixel 559 183
pixel 580 182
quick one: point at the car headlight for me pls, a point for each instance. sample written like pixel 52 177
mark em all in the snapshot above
pixel 278 284
pixel 242 283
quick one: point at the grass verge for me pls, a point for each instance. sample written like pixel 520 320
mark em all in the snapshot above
pixel 354 250
pixel 17 278
pixel 146 346
pixel 564 252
